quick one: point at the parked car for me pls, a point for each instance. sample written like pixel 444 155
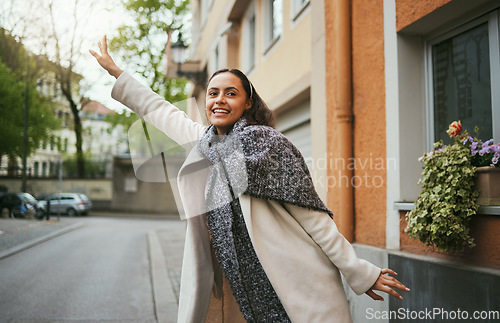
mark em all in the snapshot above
pixel 18 205
pixel 67 203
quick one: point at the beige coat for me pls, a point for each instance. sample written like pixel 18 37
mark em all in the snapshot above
pixel 300 250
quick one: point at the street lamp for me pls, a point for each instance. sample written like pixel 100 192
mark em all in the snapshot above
pixel 26 113
pixel 179 51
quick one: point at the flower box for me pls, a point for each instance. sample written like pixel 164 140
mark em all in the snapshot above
pixel 488 185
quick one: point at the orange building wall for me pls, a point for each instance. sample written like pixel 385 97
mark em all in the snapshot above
pixel 331 79
pixel 369 121
pixel 368 100
pixel 483 228
pixel 409 11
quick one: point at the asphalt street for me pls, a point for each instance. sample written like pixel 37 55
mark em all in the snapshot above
pixel 108 269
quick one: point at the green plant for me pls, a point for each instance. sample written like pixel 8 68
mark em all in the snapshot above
pixel 448 198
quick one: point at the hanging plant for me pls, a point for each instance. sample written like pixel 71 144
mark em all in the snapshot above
pixel 448 198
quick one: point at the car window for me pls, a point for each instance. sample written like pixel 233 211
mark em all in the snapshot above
pixel 27 198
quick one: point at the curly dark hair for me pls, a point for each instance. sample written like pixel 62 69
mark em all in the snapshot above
pixel 259 113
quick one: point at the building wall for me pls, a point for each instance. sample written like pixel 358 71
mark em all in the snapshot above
pixel 133 192
pixel 95 189
pixel 368 105
pixel 369 121
pixel 388 135
pixel 408 11
pixel 287 64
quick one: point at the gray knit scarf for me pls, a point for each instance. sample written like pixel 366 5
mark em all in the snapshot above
pixel 260 162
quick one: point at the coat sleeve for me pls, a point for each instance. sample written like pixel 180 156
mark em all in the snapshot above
pixel 156 110
pixel 359 273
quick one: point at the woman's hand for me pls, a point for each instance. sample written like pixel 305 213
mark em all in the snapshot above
pixel 105 60
pixel 386 284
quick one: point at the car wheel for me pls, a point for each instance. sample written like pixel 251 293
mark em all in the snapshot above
pixel 5 212
pixel 71 212
pixel 40 214
pixel 16 212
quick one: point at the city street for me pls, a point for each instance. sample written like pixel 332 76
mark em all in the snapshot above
pixel 100 272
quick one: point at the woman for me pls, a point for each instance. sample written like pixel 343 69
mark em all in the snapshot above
pixel 260 238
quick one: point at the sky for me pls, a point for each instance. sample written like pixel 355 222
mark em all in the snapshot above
pixel 105 17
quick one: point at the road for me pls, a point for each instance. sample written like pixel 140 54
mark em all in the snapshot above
pixel 100 272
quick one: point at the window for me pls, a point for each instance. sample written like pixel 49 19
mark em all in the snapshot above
pixel 249 39
pixel 276 18
pixel 204 12
pixel 274 22
pixel 463 73
pixel 298 7
pixel 216 58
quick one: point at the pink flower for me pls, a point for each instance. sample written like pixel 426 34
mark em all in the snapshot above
pixel 455 129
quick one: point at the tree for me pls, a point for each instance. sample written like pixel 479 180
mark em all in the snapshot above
pixel 13 91
pixel 65 62
pixel 60 40
pixel 142 45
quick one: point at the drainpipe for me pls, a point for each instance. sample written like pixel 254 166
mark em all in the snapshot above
pixel 344 115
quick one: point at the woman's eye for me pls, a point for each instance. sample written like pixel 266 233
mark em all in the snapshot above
pixel 231 93
pixel 212 93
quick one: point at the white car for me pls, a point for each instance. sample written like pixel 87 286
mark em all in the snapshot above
pixel 67 203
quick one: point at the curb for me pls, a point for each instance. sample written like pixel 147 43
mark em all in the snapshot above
pixel 34 242
pixel 164 298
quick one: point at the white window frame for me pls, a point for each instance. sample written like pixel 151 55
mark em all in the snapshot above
pixel 217 57
pixel 269 41
pixel 204 7
pixel 298 9
pixel 248 64
pixel 494 45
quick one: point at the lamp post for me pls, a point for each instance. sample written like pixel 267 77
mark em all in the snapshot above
pixel 26 113
pixel 179 52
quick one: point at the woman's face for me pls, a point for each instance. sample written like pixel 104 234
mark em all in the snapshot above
pixel 226 101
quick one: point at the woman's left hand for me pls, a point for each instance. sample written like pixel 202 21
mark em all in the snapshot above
pixel 386 284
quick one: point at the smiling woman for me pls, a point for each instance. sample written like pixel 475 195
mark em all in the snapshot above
pixel 259 239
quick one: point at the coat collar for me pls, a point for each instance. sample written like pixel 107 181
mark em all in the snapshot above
pixel 193 157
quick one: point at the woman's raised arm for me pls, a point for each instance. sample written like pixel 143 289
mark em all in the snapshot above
pixel 149 105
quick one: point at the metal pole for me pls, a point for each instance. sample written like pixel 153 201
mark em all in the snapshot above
pixel 26 110
pixel 60 186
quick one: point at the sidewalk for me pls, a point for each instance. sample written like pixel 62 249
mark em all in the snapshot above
pixel 17 235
